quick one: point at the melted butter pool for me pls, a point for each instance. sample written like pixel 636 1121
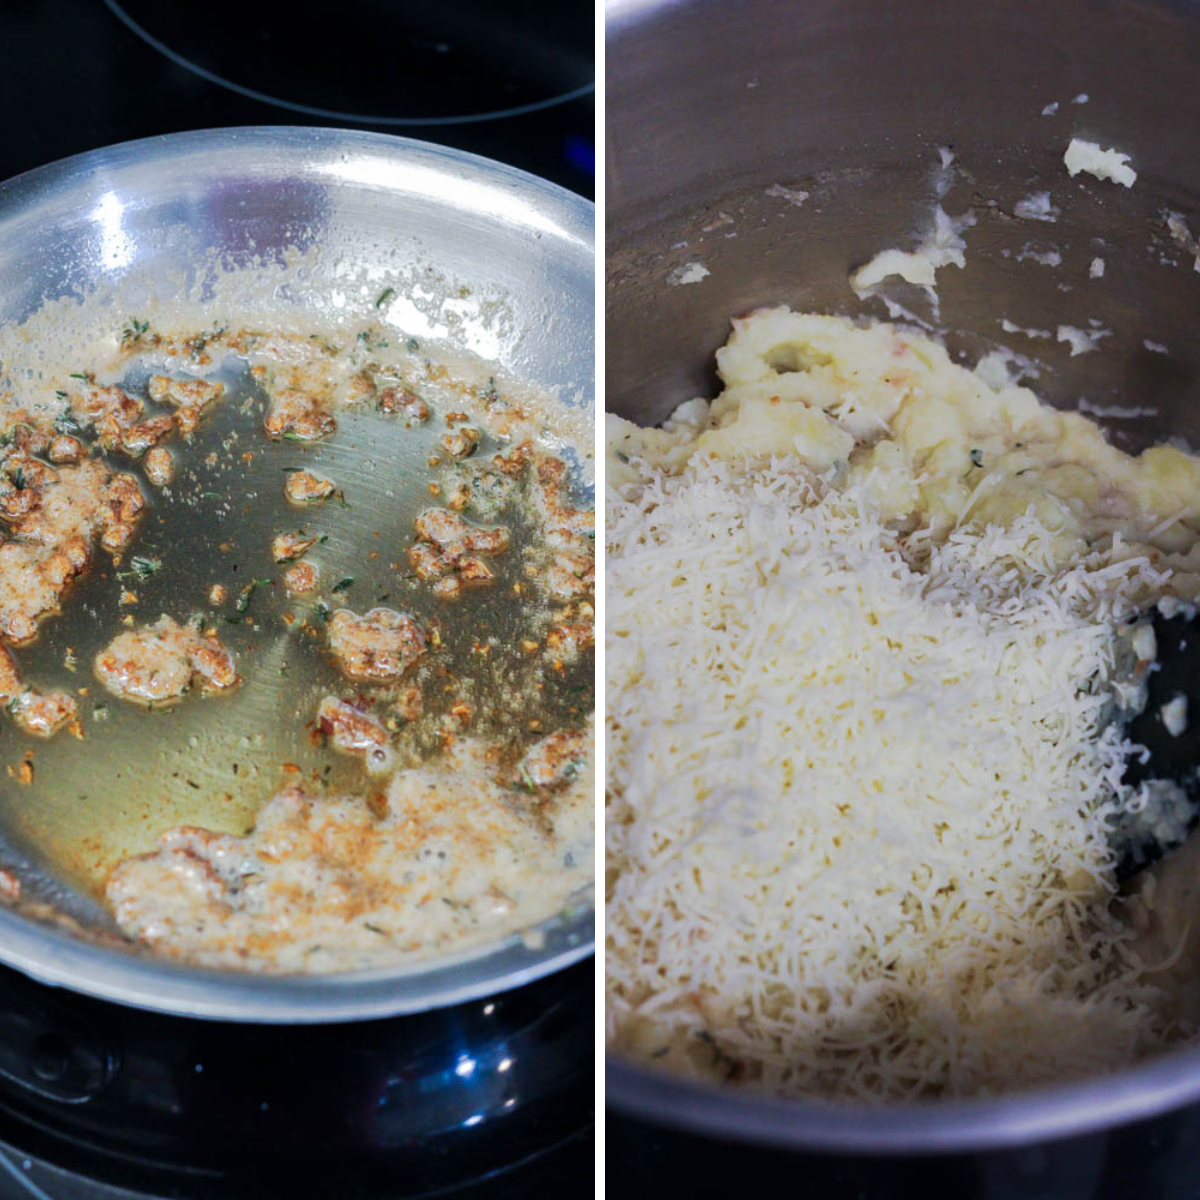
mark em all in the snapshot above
pixel 213 761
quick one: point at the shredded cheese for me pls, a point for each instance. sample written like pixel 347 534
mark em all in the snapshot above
pixel 862 657
pixel 859 794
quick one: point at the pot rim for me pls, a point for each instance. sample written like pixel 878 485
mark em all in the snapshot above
pixel 933 1127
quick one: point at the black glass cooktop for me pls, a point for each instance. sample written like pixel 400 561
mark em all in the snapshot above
pixel 1158 1159
pixel 490 1099
pixel 508 79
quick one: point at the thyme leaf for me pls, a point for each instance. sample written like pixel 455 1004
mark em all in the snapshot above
pixel 134 329
pixel 243 601
pixel 140 568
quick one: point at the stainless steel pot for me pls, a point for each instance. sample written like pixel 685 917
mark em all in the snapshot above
pixel 157 209
pixel 720 115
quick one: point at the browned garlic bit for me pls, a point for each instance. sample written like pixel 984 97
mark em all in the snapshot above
pixel 42 715
pixel 53 514
pixel 409 704
pixel 158 663
pixel 189 396
pixel 218 594
pixel 376 647
pixel 38 714
pixel 459 443
pixel 159 466
pixel 117 419
pixel 298 377
pixel 125 502
pixel 287 546
pixel 355 731
pixel 111 411
pixel 555 760
pixel 302 487
pixel 10 680
pixel 449 551
pixel 407 404
pixel 298 415
pixel 301 578
pixel 569 638
pixel 65 448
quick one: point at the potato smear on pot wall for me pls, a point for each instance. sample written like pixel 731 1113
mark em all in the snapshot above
pixel 866 626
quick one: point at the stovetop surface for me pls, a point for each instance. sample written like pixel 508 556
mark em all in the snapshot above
pixel 487 1100
pixel 81 74
pixel 556 1171
pixel 474 1100
pixel 1157 1159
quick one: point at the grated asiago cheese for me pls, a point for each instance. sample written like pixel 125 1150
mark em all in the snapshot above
pixel 859 787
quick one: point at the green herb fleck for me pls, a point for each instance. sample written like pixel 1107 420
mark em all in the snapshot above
pixel 412 345
pixel 370 341
pixel 82 375
pixel 343 585
pixel 374 928
pixel 134 329
pixel 977 458
pixel 140 568
pixel 525 783
pixel 65 422
pixel 243 601
pixel 385 296
pixel 490 395
pixel 18 478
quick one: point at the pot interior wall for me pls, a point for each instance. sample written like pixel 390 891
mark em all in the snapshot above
pixel 715 112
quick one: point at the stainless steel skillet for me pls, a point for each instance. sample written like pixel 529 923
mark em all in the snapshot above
pixel 249 197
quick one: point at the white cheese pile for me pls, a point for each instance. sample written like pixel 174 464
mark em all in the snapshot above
pixel 857 820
